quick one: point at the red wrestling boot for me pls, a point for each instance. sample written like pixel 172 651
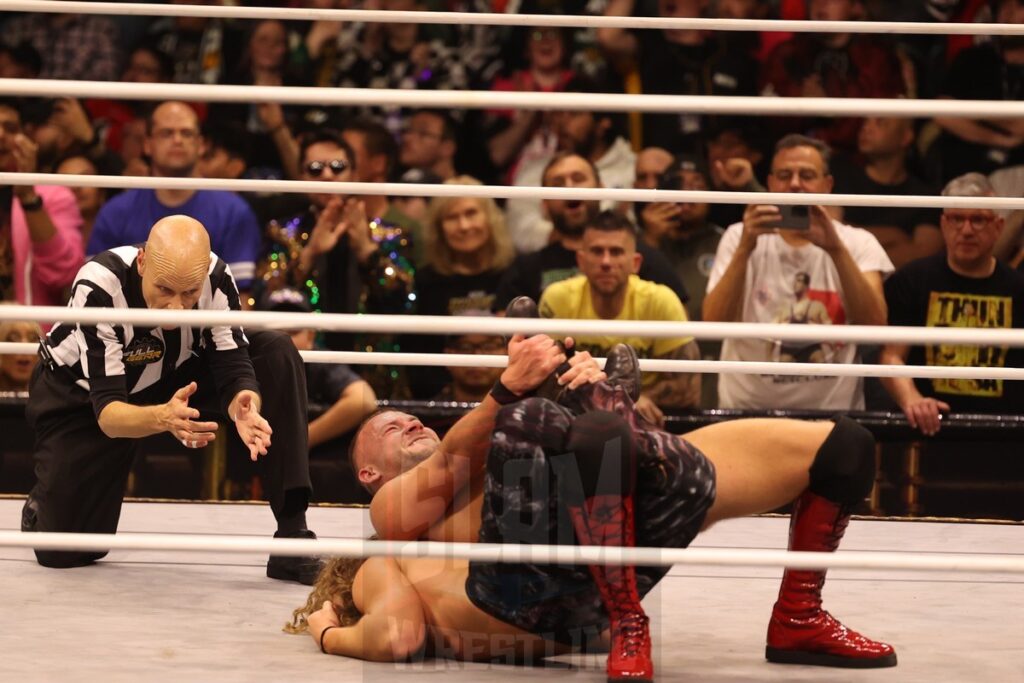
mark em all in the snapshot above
pixel 607 519
pixel 800 631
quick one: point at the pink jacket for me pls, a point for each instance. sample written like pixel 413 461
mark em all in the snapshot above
pixel 42 271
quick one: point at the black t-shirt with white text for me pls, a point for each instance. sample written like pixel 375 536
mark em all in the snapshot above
pixel 927 292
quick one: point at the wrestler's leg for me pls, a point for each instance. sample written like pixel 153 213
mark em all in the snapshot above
pixel 827 467
pixel 598 492
pixel 761 464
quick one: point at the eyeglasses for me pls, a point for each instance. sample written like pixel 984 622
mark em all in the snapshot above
pixel 316 168
pixel 959 221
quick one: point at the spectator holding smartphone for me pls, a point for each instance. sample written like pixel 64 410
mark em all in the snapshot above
pixel 779 265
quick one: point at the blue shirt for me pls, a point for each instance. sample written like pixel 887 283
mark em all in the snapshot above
pixel 235 234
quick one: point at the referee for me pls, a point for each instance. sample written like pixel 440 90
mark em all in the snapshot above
pixel 103 386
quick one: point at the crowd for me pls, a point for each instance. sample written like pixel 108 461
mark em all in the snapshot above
pixel 577 259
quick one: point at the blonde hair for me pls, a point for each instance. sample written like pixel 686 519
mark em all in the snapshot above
pixel 440 256
pixel 335 584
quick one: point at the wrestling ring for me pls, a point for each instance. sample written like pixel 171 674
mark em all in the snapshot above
pixel 178 599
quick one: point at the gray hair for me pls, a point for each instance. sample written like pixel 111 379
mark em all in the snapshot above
pixel 796 140
pixel 969 185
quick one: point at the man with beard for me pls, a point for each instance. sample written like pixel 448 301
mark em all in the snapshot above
pixel 531 273
pixel 596 137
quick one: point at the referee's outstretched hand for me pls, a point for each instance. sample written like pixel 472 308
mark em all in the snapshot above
pixel 253 428
pixel 180 420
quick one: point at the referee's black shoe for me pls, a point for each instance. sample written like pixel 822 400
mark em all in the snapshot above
pixel 302 570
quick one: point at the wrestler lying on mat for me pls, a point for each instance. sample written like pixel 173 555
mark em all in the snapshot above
pixel 580 469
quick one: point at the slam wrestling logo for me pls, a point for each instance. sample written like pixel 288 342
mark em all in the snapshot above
pixel 953 309
pixel 143 350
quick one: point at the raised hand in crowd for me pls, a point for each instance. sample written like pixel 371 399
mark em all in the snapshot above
pixel 736 173
pixel 660 220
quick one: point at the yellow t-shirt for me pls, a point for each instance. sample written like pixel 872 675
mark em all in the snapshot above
pixel 645 300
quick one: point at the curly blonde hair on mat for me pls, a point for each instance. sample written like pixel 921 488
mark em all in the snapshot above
pixel 335 584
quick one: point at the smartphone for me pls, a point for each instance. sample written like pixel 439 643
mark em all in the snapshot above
pixel 794 217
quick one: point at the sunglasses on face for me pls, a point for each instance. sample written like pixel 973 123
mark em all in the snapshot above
pixel 316 168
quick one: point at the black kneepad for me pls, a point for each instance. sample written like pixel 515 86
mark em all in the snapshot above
pixel 843 470
pixel 601 444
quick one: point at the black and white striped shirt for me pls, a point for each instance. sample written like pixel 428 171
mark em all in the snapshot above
pixel 114 360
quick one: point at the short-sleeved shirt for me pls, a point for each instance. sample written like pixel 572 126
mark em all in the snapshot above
pixel 530 274
pixel 326 382
pixel 115 360
pixel 850 179
pixel 794 285
pixel 234 232
pixel 644 301
pixel 928 293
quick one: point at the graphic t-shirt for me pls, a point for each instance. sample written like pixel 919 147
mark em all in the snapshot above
pixel 797 286
pixel 927 292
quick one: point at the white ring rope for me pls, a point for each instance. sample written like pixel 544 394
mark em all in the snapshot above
pixel 514 553
pixel 511 191
pixel 527 20
pixel 469 360
pixel 491 326
pixel 486 99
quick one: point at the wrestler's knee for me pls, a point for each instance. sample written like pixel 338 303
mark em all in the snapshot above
pixel 844 466
pixel 535 420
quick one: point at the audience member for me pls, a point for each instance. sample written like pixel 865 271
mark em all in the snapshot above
pixel 905 233
pixel 735 161
pixel 199 48
pixel 88 199
pixel 676 62
pixel 608 289
pixel 966 286
pixel 78 47
pixel 595 136
pixel 174 144
pixel 531 273
pixel 347 398
pixel 990 71
pixel 774 269
pixel 40 243
pixel 517 134
pixel 682 231
pixel 416 207
pixel 376 159
pixel 428 143
pixel 471 385
pixel 16 368
pixel 397 55
pixel 20 61
pixel 271 150
pixel 121 124
pixel 61 128
pixel 467 251
pixel 832 65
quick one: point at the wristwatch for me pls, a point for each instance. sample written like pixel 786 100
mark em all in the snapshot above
pixel 32 205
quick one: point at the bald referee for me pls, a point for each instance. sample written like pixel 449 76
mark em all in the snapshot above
pixel 104 386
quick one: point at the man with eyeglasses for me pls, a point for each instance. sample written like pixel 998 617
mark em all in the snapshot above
pixel 429 143
pixel 174 146
pixel 964 286
pixel 753 276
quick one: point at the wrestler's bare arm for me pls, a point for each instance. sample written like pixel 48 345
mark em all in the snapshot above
pixel 392 627
pixel 408 505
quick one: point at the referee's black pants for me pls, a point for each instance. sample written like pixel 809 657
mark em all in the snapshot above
pixel 81 473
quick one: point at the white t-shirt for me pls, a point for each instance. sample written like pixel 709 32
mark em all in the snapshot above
pixel 796 285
